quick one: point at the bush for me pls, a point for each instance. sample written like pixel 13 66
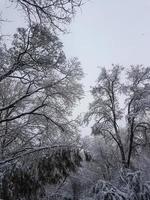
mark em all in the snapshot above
pixel 129 187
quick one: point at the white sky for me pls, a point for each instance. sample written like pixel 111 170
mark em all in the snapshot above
pixel 102 33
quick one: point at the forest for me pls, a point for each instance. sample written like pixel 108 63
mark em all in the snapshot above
pixel 43 155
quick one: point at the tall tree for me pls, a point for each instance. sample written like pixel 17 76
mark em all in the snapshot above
pixel 39 87
pixel 137 90
pixel 108 113
pixel 105 107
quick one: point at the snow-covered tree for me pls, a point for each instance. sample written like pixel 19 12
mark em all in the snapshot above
pixel 137 91
pixel 55 14
pixel 123 125
pixel 39 88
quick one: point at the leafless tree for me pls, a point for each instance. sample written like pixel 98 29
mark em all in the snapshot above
pixel 56 13
pixel 137 91
pixel 105 107
pixel 110 116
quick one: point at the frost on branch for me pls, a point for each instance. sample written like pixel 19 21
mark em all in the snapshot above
pixel 129 187
pixel 56 13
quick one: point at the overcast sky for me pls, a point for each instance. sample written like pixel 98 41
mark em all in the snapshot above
pixel 103 32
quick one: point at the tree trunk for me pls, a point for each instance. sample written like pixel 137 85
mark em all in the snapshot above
pixel 130 143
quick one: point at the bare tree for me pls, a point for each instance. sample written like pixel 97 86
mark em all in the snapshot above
pixel 105 107
pixel 56 13
pixel 138 106
pixel 108 113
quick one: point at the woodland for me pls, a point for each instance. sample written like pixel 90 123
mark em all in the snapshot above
pixel 42 153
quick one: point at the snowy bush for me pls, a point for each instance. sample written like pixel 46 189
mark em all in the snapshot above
pixel 129 187
pixel 27 179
